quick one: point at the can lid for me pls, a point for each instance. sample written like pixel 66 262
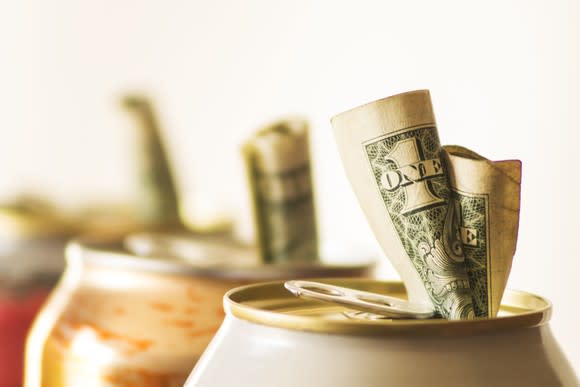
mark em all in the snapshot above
pixel 272 305
pixel 381 305
pixel 28 219
pixel 205 256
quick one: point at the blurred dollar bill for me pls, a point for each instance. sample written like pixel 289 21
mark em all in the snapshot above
pixel 157 200
pixel 487 198
pixel 392 157
pixel 278 168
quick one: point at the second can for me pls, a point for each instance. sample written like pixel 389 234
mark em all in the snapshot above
pixel 121 320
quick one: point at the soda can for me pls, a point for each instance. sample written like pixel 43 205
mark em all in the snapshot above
pixel 32 240
pixel 272 338
pixel 224 256
pixel 117 319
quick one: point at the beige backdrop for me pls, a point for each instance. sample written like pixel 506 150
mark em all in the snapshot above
pixel 503 75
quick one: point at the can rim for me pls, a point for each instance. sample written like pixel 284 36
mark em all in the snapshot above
pixel 527 311
pixel 109 253
pixel 19 225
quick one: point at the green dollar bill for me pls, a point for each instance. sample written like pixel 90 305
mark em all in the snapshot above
pixel 487 196
pixel 473 225
pixel 411 179
pixel 278 166
pixel 157 199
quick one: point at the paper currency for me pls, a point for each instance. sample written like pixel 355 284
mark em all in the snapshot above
pixel 157 198
pixel 278 166
pixel 487 196
pixel 392 156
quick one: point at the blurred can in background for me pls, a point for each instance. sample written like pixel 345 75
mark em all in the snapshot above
pixel 117 319
pixel 272 338
pixel 32 240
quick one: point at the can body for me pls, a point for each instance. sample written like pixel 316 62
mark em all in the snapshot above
pixel 288 352
pixel 29 269
pixel 110 326
pixel 121 320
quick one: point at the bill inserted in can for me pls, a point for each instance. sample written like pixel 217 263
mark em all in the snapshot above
pixel 277 164
pixel 446 217
pixel 271 338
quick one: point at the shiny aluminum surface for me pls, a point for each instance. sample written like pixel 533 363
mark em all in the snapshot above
pixel 121 320
pixel 256 303
pixel 271 338
pixel 372 303
pixel 115 320
pixel 225 258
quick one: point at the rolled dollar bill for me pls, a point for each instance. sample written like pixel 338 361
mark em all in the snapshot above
pixel 278 168
pixel 487 196
pixel 157 201
pixel 392 156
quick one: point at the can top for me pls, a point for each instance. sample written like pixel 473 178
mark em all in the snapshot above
pixel 32 219
pixel 272 305
pixel 213 257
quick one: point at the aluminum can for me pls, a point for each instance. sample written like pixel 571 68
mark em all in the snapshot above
pixel 270 338
pixel 32 241
pixel 121 320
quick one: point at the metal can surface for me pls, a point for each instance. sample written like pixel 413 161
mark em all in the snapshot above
pixel 121 320
pixel 270 338
pixel 32 243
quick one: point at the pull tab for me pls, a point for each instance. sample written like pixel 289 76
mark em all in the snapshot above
pixel 391 307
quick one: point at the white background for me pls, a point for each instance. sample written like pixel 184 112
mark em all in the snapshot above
pixel 503 76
